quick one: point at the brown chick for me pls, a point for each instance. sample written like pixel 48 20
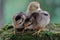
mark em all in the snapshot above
pixel 18 20
pixel 33 6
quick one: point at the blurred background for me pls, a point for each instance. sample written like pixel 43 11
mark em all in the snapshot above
pixel 10 7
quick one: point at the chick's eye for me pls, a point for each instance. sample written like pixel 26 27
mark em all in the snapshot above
pixel 46 14
pixel 36 7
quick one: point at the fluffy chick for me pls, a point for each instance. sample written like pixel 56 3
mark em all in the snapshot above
pixel 18 20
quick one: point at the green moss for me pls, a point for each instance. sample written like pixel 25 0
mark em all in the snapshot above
pixel 6 34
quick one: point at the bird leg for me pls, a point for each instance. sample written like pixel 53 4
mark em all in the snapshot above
pixel 14 30
pixel 25 27
pixel 15 25
pixel 38 30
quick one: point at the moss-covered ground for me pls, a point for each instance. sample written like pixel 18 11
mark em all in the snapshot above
pixel 6 34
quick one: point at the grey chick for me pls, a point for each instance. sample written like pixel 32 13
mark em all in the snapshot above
pixel 42 20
